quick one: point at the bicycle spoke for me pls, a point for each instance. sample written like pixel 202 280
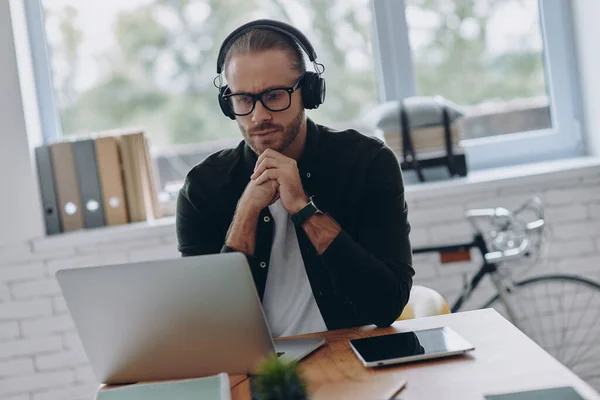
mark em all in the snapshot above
pixel 542 328
pixel 588 332
pixel 594 377
pixel 567 325
pixel 549 299
pixel 588 364
pixel 594 357
pixel 579 324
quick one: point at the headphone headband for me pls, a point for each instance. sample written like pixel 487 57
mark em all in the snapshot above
pixel 278 26
pixel 312 84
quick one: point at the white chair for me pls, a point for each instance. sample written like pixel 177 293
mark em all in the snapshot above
pixel 424 302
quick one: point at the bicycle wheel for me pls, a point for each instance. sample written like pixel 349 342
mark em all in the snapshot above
pixel 561 313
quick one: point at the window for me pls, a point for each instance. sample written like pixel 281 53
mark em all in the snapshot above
pixel 506 63
pixel 151 63
pixel 466 52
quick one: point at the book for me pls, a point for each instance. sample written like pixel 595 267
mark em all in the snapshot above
pixel 146 176
pixel 139 177
pixel 66 186
pixel 84 154
pixel 110 175
pixel 558 393
pixel 131 181
pixel 47 190
pixel 154 180
pixel 211 387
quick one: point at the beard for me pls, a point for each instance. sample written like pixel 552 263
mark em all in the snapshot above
pixel 278 141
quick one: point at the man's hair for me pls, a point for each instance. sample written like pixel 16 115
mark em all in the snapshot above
pixel 258 40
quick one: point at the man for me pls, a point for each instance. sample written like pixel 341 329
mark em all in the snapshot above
pixel 320 214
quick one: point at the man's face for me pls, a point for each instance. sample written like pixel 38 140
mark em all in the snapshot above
pixel 256 72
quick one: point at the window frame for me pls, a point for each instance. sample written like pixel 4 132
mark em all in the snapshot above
pixel 397 80
pixel 50 122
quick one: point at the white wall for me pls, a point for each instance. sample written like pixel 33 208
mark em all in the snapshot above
pixel 20 213
pixel 586 15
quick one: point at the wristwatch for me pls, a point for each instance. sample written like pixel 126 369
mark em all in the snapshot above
pixel 308 211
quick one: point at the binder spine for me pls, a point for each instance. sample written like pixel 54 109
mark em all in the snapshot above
pixel 84 154
pixel 47 190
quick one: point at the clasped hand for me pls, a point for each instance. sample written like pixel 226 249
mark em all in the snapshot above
pixel 275 177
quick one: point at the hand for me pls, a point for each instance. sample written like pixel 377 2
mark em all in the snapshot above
pixel 257 196
pixel 274 166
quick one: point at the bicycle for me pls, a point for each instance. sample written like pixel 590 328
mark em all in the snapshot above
pixel 536 305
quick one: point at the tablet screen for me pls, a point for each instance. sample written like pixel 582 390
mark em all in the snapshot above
pixel 407 344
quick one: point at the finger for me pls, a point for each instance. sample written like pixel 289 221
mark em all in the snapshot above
pixel 264 165
pixel 270 153
pixel 267 175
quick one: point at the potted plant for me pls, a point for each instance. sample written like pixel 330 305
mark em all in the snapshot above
pixel 279 380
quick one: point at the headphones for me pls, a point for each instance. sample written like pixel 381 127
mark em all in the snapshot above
pixel 312 85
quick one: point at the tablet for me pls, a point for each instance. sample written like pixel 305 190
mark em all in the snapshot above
pixel 404 347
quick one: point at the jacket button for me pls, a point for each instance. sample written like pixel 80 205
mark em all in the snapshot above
pixel 263 264
pixel 308 174
pixel 266 218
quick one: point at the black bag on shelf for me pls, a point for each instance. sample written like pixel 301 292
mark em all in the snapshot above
pixel 454 162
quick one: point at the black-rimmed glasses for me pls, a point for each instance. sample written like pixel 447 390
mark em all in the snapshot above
pixel 276 99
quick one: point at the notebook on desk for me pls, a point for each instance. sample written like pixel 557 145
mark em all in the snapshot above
pixel 559 393
pixel 210 387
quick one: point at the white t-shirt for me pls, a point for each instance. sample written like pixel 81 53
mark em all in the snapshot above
pixel 288 301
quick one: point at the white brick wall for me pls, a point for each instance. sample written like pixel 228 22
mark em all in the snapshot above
pixel 72 358
pixel 45 326
pixel 18 272
pixel 21 347
pixel 73 392
pixel 28 290
pixel 38 381
pixel 16 367
pixel 16 397
pixel 9 330
pixel 25 309
pixel 42 358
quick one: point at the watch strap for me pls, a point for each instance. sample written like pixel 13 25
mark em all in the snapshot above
pixel 308 211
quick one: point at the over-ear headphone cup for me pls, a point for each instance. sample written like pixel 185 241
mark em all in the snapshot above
pixel 313 90
pixel 224 104
pixel 322 90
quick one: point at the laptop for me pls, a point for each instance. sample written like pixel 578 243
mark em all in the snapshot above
pixel 173 319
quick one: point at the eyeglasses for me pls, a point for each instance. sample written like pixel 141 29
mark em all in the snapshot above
pixel 276 99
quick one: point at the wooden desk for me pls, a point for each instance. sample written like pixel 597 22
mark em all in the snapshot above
pixel 504 360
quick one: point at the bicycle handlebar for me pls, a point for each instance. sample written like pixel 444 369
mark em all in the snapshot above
pixel 506 220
